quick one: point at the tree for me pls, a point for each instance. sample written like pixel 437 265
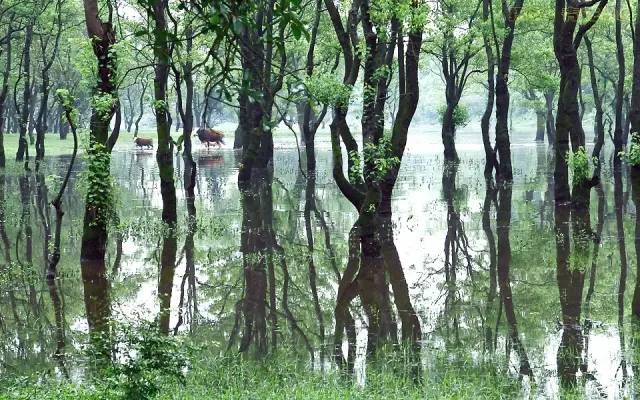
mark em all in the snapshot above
pixel 104 103
pixel 569 128
pixel 455 51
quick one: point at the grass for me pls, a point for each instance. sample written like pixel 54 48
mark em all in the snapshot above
pixel 56 147
pixel 53 146
pixel 280 377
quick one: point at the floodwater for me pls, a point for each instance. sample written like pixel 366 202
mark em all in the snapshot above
pixel 484 269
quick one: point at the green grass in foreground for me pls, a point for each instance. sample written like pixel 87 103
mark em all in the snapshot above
pixel 280 378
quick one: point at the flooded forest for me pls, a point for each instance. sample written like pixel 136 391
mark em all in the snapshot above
pixel 319 199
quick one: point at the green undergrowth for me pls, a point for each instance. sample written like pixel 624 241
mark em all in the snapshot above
pixel 152 366
pixel 281 377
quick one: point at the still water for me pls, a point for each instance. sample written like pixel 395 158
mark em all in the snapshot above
pixel 483 269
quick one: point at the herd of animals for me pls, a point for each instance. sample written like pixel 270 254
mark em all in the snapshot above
pixel 208 137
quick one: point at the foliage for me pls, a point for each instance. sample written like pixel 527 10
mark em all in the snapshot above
pixel 326 89
pixel 104 104
pixel 579 163
pixel 461 115
pixel 98 183
pixel 632 155
pixel 378 161
pixel 146 361
pixel 67 102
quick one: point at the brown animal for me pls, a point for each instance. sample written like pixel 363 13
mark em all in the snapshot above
pixel 210 136
pixel 143 143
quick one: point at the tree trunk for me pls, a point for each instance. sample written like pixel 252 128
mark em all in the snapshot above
pixel 4 91
pixel 240 137
pixel 141 109
pixel 164 154
pixel 23 146
pixel 550 119
pixel 485 123
pixel 597 100
pixel 96 216
pixel 540 125
pixel 503 145
pixel 618 138
pixel 449 135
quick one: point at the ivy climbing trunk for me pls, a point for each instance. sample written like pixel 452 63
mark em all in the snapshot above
pixel 97 207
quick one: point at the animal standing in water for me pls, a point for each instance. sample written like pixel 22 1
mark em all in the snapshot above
pixel 143 143
pixel 210 136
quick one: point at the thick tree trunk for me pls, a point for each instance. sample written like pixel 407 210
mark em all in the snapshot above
pixel 635 187
pixel 240 136
pixel 96 216
pixel 503 145
pixel 569 129
pixel 449 135
pixel 634 116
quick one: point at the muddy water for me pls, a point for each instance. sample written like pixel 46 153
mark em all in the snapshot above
pixel 494 276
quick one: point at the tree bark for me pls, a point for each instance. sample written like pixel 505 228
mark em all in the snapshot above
pixel 22 153
pixel 94 234
pixel 4 91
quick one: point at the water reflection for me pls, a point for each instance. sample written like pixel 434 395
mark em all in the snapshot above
pixel 465 272
pixel 97 302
